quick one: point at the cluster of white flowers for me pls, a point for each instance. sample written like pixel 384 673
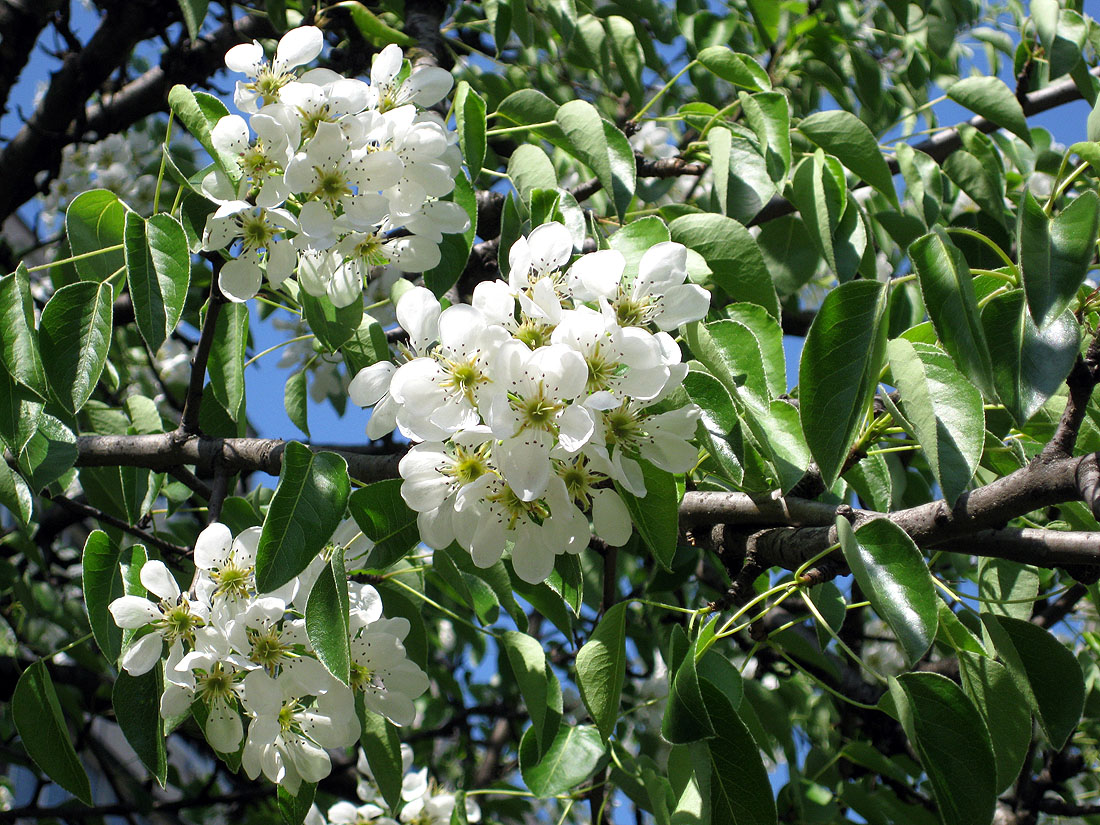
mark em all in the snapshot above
pixel 112 163
pixel 423 802
pixel 338 177
pixel 245 656
pixel 527 404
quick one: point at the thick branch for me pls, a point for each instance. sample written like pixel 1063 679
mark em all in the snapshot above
pixel 1080 382
pixel 21 22
pixel 171 450
pixel 189 421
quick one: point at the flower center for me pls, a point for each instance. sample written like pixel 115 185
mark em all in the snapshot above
pixel 516 508
pixel 267 83
pixel 371 251
pixel 268 650
pixel 217 684
pixel 468 464
pixel 232 581
pixel 533 334
pixel 179 623
pixel 332 185
pixel 255 230
pixel 361 676
pixel 538 412
pixel 630 312
pixel 622 426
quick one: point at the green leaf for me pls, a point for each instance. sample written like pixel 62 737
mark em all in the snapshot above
pixel 379 740
pixel 385 519
pixel 768 115
pixel 227 355
pixel 455 249
pixel 327 618
pixel 626 50
pixel 570 759
pixel 893 575
pixel 789 253
pixel 1010 587
pixel 533 673
pixel 1044 13
pixel 948 292
pixel 366 346
pixel 308 505
pixel 1055 253
pixel 158 267
pixel 1045 671
pixel 601 669
pixel 993 100
pixel 48 453
pixel 136 702
pixel 818 191
pixel 730 251
pixel 199 113
pixel 95 221
pixel 848 138
pixel 102 584
pixel 194 12
pixel 296 401
pixel 740 793
pixel 687 718
pixel 945 410
pixel 839 369
pixel 15 495
pixel 530 169
pixel 470 120
pixel 37 716
pixel 294 808
pixel 1029 364
pixel 655 515
pixel 603 148
pixel 717 422
pixel 738 69
pixel 734 355
pixel 951 739
pixel 332 325
pixel 742 185
pixel 75 335
pixel 19 344
pixel 373 28
pixel 1007 716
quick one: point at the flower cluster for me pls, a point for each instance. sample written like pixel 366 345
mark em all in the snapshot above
pixel 337 177
pixel 423 802
pixel 245 657
pixel 527 404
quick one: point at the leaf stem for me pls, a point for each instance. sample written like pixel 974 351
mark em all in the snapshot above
pixel 82 256
pixel 662 90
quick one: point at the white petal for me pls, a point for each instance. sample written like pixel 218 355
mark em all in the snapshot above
pixel 551 247
pixel 597 274
pixel 418 313
pixel 531 561
pixel 140 656
pixel 131 612
pixel 245 58
pixel 212 547
pixel 575 427
pixel 682 305
pixel 525 466
pixel 223 727
pixel 371 383
pixel 240 279
pixel 298 46
pixel 157 579
pixel 662 267
pixel 610 518
pixel 429 85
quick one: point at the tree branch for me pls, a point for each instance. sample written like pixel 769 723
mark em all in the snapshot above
pixel 189 420
pixel 87 511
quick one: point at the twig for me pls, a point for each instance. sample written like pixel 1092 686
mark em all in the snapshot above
pixel 88 511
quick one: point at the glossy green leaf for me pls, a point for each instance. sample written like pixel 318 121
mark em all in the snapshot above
pixel 603 148
pixel 102 584
pixel 894 576
pixel 733 354
pixel 19 344
pixel 738 69
pixel 533 673
pixel 136 701
pixel 199 113
pixel 570 759
pixel 1007 716
pixel 15 495
pixel 379 740
pixel 1055 253
pixel 327 618
pixel 687 718
pixel 194 12
pixel 768 115
pixel 951 739
pixel 45 737
pixel 945 410
pixel 470 120
pixel 718 421
pixel 385 519
pixel 455 248
pixel 373 28
pixel 839 370
pixel 948 291
pixel 95 221
pixel 626 51
pixel 296 401
pixel 655 515
pixel 601 669
pixel 48 453
pixel 1044 670
pixel 731 253
pixel 227 355
pixel 742 184
pixel 993 100
pixel 158 269
pixel 818 191
pixel 1010 587
pixel 1029 364
pixel 740 793
pixel 848 138
pixel 308 505
pixel 636 238
pixel 75 335
pixel 530 169
pixel 294 808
